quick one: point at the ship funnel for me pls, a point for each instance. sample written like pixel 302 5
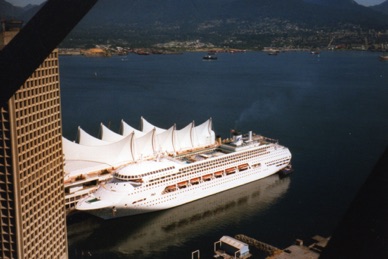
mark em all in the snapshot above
pixel 238 140
pixel 250 136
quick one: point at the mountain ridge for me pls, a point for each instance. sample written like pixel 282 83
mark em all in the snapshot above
pixel 181 10
pixel 383 7
pixel 146 22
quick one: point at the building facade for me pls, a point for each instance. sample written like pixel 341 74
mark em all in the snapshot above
pixel 32 211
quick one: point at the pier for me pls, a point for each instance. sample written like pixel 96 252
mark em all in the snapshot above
pixel 297 250
pixel 238 248
pixel 269 249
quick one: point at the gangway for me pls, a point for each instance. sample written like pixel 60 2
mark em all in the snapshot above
pixel 269 249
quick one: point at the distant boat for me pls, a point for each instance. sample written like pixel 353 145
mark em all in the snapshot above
pixel 145 53
pixel 383 57
pixel 273 53
pixel 210 56
pixel 286 171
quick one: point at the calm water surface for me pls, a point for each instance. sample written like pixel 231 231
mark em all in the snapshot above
pixel 330 110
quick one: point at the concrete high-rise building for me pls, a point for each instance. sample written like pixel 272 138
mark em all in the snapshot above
pixel 32 201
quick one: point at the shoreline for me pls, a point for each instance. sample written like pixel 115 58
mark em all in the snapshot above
pixel 104 52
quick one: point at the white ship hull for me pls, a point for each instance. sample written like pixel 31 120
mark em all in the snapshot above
pixel 148 233
pixel 187 195
pixel 118 198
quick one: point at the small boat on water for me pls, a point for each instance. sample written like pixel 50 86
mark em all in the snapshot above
pixel 286 170
pixel 273 53
pixel 383 57
pixel 210 56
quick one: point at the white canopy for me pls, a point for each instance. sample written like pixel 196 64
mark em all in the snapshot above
pixel 86 139
pixel 128 129
pixel 165 141
pixel 114 150
pixel 144 146
pixel 109 135
pixel 185 138
pixel 146 126
pixel 204 135
pixel 113 154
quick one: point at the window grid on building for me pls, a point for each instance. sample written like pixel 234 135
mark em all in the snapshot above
pixel 31 159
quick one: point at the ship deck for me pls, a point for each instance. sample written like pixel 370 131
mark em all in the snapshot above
pixel 192 157
pixel 220 149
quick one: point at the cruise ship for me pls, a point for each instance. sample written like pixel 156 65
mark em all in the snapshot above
pixel 169 177
pixel 148 232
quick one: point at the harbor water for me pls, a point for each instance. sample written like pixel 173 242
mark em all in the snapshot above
pixel 329 109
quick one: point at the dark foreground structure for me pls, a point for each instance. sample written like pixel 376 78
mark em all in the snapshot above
pixel 32 201
pixel 363 232
pixel 38 38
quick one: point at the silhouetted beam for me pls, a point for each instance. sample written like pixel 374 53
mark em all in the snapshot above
pixel 37 39
pixel 363 231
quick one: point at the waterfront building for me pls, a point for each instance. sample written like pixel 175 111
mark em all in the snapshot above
pixel 32 202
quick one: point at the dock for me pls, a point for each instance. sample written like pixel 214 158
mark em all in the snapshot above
pixel 296 251
pixel 238 248
pixel 231 248
pixel 268 249
pixel 299 250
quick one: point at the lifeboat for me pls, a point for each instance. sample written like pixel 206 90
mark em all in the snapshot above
pixel 194 181
pixel 171 188
pixel 243 167
pixel 230 170
pixel 207 177
pixel 218 174
pixel 136 182
pixel 182 184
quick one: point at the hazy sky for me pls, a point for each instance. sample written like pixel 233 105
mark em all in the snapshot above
pixel 369 2
pixel 25 2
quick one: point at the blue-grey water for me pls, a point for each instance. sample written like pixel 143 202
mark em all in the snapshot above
pixel 331 110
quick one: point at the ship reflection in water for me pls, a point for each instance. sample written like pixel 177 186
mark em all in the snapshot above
pixel 155 232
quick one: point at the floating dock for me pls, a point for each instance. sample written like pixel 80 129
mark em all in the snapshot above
pixel 238 248
pixel 295 251
pixel 299 250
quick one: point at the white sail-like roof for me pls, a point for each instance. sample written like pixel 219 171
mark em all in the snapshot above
pixel 128 129
pixel 185 138
pixel 109 135
pixel 113 154
pixel 114 150
pixel 146 126
pixel 144 146
pixel 86 139
pixel 165 141
pixel 76 167
pixel 204 135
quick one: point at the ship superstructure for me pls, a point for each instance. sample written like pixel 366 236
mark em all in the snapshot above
pixel 169 178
